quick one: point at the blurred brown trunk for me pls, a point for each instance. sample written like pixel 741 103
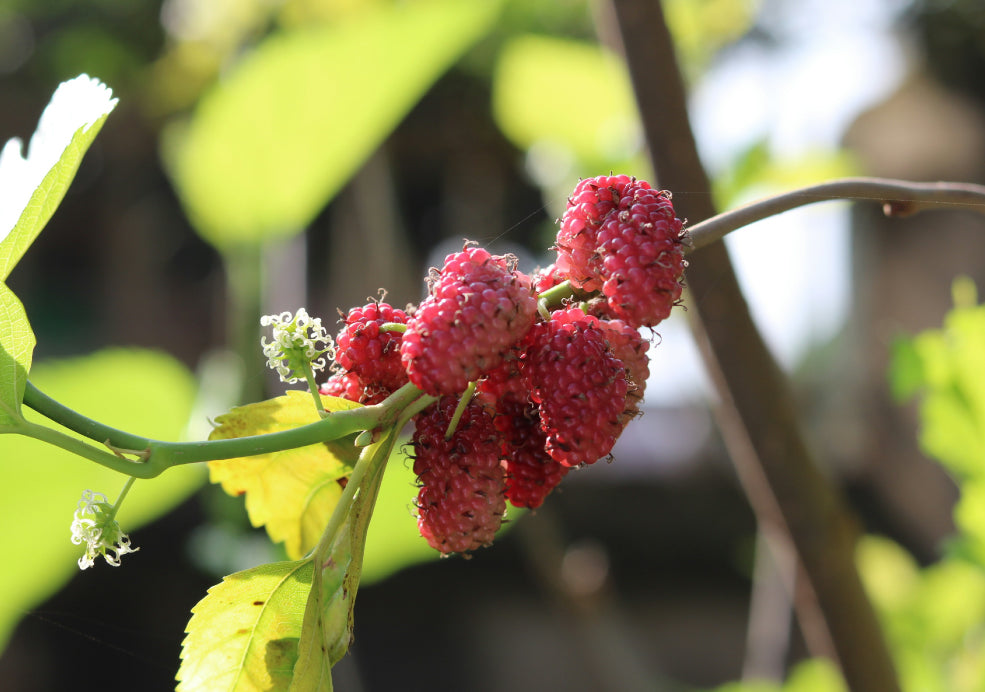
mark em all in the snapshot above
pixel 789 494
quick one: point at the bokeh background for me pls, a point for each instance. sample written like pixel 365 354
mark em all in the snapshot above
pixel 267 155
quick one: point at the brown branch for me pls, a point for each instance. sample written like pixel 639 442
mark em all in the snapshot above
pixel 788 492
pixel 898 198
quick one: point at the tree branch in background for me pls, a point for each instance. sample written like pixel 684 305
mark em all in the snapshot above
pixel 785 486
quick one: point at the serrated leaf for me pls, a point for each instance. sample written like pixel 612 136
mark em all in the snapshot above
pixel 16 351
pixel 243 636
pixel 270 145
pixel 46 198
pixel 291 493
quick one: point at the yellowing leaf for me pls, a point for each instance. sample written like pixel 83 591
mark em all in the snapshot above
pixel 244 634
pixel 292 493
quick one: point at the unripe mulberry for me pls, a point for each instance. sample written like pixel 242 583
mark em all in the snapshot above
pixel 461 502
pixel 478 308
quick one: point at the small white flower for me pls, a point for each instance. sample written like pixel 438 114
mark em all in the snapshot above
pixel 94 524
pixel 299 342
pixel 77 103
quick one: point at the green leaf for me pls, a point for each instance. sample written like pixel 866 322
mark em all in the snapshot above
pixel 906 373
pixel 948 367
pixel 244 634
pixel 539 95
pixel 291 493
pixel 46 199
pixel 16 351
pixel 268 147
pixel 40 485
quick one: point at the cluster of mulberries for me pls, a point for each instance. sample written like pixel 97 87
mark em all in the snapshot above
pixel 547 390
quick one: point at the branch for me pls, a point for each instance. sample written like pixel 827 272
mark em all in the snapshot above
pixel 757 415
pixel 898 197
pixel 155 456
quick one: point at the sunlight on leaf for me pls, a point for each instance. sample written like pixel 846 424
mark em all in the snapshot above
pixel 243 636
pixel 268 147
pixel 16 351
pixel 140 391
pixel 291 493
pixel 79 106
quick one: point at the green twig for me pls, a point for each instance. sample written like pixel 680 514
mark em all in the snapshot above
pixel 460 409
pixel 160 455
pixel 898 197
pixel 309 376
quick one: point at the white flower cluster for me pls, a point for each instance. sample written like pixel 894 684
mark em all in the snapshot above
pixel 94 524
pixel 77 103
pixel 299 343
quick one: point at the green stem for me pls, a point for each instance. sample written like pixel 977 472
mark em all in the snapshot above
pixel 371 460
pixel 141 469
pixel 898 197
pixel 122 496
pixel 309 375
pixel 556 296
pixel 460 409
pixel 63 415
pixel 161 455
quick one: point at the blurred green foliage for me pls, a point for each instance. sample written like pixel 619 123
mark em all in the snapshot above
pixel 935 616
pixel 273 141
pixel 40 485
pixel 815 675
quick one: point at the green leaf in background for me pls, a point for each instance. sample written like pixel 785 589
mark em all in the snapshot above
pixel 934 618
pixel 812 675
pixel 756 173
pixel 243 636
pixel 269 146
pixel 291 493
pixel 948 367
pixel 541 90
pixel 16 351
pixel 702 27
pixel 40 485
